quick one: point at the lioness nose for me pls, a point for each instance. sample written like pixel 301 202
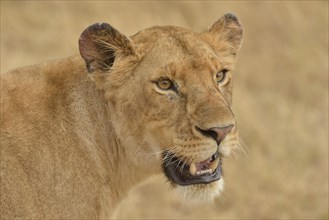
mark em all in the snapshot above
pixel 217 133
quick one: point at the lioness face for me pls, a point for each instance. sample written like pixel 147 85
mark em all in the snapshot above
pixel 170 92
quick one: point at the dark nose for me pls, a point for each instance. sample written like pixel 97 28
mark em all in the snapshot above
pixel 217 133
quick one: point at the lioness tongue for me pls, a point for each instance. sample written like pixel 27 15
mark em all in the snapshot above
pixel 204 167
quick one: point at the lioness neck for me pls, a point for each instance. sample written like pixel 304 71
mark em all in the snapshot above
pixel 117 173
pixel 67 136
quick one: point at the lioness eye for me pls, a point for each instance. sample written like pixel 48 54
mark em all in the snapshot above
pixel 164 84
pixel 220 76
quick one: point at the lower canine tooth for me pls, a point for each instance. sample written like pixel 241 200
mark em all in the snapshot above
pixel 193 169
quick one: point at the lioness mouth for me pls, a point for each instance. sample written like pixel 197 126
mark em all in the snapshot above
pixel 203 172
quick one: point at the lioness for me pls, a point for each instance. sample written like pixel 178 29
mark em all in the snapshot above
pixel 78 133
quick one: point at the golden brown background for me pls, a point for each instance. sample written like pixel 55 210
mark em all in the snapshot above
pixel 280 96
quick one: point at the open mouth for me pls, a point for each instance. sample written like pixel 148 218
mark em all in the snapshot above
pixel 203 172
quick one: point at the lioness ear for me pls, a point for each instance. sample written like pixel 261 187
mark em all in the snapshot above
pixel 100 44
pixel 225 34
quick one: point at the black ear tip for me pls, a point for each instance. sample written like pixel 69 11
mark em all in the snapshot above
pixel 97 27
pixel 105 26
pixel 231 17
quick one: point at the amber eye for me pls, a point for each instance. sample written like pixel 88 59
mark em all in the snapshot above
pixel 164 84
pixel 220 76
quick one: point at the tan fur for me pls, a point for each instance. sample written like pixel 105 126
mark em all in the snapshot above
pixel 72 146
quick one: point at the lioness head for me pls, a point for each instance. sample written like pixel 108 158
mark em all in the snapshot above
pixel 169 92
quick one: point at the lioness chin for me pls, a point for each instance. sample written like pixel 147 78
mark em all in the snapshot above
pixel 78 133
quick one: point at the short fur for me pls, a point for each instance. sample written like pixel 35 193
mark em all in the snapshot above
pixel 75 140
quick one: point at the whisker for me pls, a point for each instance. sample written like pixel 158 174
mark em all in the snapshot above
pixel 244 148
pixel 171 162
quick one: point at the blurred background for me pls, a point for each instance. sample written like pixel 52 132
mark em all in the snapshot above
pixel 280 95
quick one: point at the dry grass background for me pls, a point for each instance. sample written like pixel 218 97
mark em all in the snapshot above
pixel 280 96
